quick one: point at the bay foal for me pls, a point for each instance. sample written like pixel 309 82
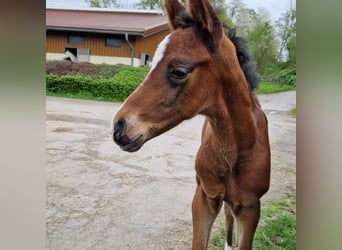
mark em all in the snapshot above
pixel 198 70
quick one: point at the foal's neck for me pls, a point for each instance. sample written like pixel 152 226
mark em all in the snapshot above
pixel 232 118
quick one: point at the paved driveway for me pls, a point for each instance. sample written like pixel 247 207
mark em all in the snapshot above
pixel 99 197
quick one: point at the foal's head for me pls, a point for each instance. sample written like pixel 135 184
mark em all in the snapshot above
pixel 184 78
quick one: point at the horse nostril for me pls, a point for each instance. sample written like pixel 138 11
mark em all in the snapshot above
pixel 119 129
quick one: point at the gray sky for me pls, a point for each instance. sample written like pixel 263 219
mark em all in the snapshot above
pixel 274 7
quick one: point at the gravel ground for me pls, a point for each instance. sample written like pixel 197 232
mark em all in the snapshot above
pixel 99 197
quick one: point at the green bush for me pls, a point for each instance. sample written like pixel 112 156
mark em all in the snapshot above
pixel 117 88
pixel 280 73
pixel 107 71
pixel 285 76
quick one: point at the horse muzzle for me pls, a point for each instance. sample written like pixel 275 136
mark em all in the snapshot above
pixel 123 140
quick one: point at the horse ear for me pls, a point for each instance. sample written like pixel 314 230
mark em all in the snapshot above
pixel 208 25
pixel 173 9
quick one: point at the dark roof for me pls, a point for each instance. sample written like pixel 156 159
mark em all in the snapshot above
pixel 144 23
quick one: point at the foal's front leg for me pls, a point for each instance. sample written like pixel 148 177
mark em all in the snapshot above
pixel 247 221
pixel 204 212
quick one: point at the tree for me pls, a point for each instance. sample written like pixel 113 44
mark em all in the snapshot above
pixel 256 28
pixel 235 7
pixel 153 4
pixel 286 26
pixel 150 4
pixel 103 3
pixel 219 6
pixel 291 50
pixel 221 10
pixel 262 43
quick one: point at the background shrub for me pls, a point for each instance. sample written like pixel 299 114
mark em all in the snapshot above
pixel 107 71
pixel 280 74
pixel 65 67
pixel 94 71
pixel 116 88
pixel 285 76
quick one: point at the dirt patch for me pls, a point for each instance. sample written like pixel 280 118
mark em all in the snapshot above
pixel 61 130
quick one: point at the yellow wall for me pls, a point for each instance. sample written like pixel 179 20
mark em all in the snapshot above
pixel 57 41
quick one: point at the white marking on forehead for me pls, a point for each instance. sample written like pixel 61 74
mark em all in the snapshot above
pixel 159 54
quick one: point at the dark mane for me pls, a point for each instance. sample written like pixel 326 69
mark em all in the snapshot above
pixel 244 57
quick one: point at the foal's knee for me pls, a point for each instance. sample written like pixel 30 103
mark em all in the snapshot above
pixel 242 208
pixel 213 203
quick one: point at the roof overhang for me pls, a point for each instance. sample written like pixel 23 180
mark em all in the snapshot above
pixel 112 32
pixel 136 23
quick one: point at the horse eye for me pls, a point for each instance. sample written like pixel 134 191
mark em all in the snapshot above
pixel 180 74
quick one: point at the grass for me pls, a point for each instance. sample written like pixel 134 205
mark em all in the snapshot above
pixel 276 229
pixel 83 96
pixel 267 88
pixel 293 112
pixel 218 239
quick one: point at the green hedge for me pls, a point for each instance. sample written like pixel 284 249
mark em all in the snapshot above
pixel 286 76
pixel 280 73
pixel 116 88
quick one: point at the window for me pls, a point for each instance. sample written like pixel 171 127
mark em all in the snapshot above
pixel 75 39
pixel 113 42
pixel 76 54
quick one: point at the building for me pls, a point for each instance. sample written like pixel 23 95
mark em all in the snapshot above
pixel 104 35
